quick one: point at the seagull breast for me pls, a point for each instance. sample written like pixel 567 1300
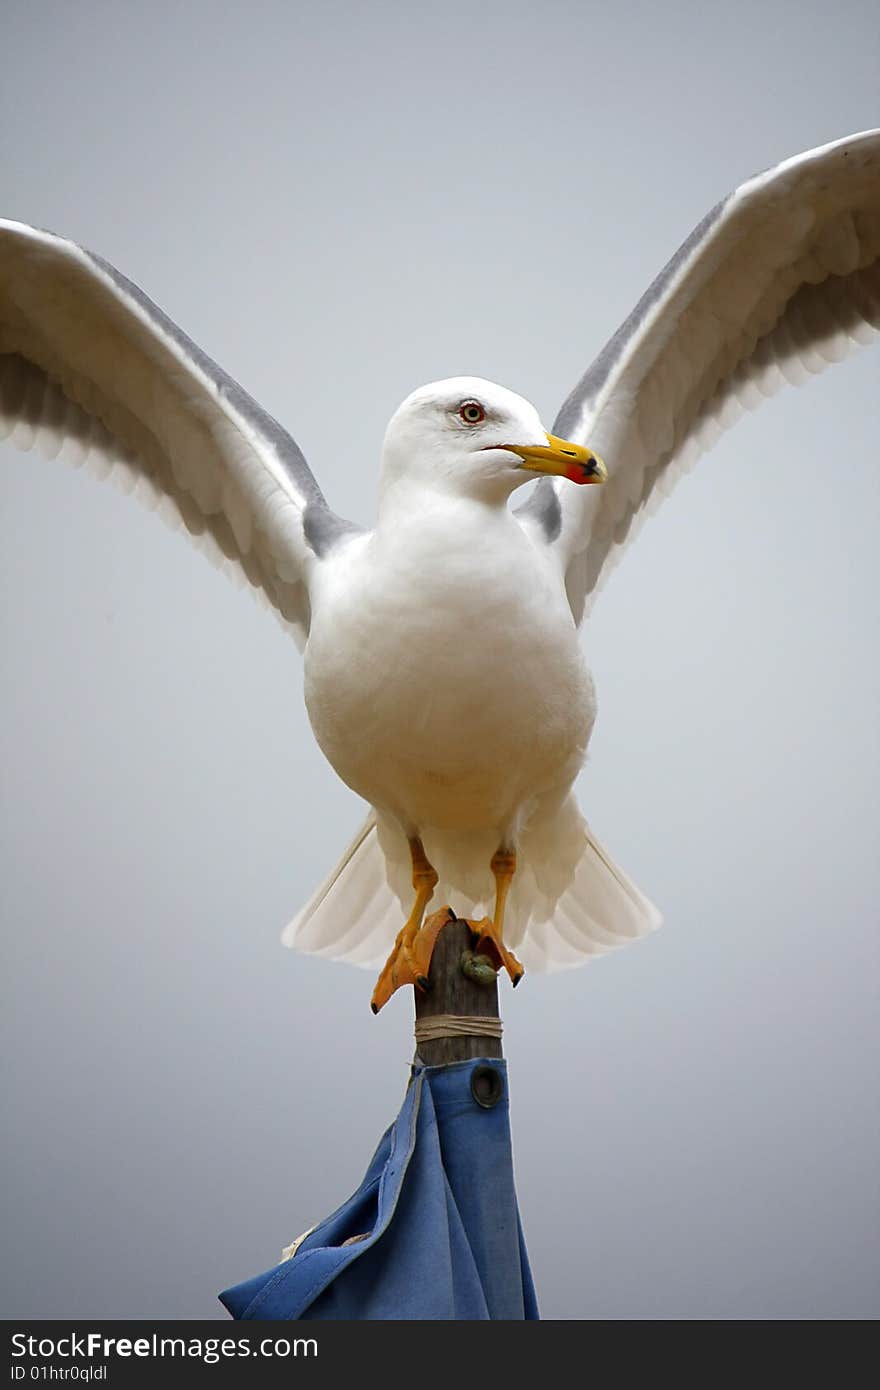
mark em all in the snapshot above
pixel 444 678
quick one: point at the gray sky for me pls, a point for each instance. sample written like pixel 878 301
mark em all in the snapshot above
pixel 338 202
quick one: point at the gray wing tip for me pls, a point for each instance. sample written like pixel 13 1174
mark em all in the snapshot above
pixel 586 391
pixel 227 388
pixel 324 529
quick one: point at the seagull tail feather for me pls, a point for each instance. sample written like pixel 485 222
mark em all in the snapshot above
pixel 570 903
pixel 598 911
pixel 354 914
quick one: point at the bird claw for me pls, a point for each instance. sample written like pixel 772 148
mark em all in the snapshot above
pixel 487 942
pixel 410 960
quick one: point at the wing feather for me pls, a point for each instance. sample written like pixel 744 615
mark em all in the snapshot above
pixel 778 281
pixel 94 373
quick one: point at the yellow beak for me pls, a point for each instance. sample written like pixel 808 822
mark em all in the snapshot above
pixel 562 458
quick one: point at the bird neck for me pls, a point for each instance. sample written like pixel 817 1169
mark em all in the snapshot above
pixel 404 496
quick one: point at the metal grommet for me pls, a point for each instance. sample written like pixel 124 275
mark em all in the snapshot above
pixel 487 1086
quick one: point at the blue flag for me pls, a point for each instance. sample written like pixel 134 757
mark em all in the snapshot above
pixel 433 1231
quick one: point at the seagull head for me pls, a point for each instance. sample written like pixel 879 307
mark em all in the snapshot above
pixel 476 438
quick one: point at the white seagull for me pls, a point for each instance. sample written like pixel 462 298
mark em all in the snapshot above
pixel 444 677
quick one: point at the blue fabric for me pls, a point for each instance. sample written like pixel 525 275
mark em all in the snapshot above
pixel 438 1209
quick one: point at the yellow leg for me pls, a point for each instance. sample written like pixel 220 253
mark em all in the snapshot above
pixel 490 930
pixel 411 955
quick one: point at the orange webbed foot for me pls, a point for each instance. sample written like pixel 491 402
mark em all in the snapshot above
pixel 488 942
pixel 410 959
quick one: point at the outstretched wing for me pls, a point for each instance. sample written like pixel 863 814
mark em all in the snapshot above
pixel 92 371
pixel 778 281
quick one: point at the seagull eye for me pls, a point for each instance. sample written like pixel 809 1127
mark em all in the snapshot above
pixel 472 412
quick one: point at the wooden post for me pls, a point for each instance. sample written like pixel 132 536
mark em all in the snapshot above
pixel 453 992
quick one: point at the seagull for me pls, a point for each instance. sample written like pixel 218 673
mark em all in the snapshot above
pixel 444 676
